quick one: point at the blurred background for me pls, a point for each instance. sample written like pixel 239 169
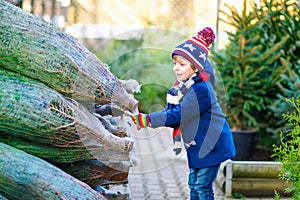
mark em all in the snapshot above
pixel 105 19
pixel 135 39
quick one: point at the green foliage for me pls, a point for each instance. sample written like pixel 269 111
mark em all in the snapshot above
pixel 147 60
pixel 282 18
pixel 238 196
pixel 248 69
pixel 288 151
pixel 276 195
pixel 260 66
pixel 291 88
pixel 150 67
pixel 116 52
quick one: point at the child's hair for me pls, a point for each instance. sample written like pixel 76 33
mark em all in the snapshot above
pixel 181 59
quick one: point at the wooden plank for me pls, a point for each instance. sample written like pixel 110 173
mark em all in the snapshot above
pixel 258 186
pixel 256 169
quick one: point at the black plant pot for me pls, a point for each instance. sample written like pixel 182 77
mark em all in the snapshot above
pixel 244 143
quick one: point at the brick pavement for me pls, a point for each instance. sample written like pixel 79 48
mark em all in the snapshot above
pixel 159 174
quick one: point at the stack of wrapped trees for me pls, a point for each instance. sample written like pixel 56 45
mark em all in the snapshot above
pixel 60 108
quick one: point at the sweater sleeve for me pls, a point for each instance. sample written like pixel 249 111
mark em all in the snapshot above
pixel 195 102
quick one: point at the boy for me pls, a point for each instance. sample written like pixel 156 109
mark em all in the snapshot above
pixel 194 113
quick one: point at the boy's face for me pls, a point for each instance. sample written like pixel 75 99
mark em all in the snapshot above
pixel 182 68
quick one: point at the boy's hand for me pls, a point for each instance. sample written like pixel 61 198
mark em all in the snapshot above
pixel 141 120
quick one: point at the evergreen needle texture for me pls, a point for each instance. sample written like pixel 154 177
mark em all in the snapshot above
pixel 35 48
pixel 31 109
pixel 50 85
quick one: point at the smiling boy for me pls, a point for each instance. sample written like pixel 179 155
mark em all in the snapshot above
pixel 195 115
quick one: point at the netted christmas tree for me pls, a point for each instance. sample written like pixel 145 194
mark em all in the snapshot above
pixel 59 102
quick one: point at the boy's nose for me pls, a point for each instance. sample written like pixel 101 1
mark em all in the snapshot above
pixel 175 68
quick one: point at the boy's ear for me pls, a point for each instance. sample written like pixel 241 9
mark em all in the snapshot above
pixel 194 68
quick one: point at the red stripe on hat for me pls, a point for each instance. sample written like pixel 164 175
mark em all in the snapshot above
pixel 199 39
pixel 181 53
pixel 199 42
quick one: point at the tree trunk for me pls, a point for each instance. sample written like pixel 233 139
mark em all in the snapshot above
pixel 95 172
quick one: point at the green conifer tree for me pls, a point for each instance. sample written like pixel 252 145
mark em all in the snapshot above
pixel 249 71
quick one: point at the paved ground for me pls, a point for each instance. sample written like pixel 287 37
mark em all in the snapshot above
pixel 159 174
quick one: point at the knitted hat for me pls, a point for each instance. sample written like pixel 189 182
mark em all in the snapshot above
pixel 196 49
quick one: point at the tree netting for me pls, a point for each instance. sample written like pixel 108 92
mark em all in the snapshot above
pixel 31 110
pixel 58 100
pixel 33 47
pixel 24 176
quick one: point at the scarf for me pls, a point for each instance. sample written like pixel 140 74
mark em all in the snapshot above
pixel 175 94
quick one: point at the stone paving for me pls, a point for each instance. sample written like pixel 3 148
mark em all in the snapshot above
pixel 158 173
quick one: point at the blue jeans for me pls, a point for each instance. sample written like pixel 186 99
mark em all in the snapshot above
pixel 201 182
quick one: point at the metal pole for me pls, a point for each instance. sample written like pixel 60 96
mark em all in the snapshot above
pixel 53 8
pixel 217 25
pixel 32 6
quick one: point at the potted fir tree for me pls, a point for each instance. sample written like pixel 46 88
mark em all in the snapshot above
pixel 248 74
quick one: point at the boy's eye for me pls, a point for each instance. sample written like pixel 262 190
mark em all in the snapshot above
pixel 182 64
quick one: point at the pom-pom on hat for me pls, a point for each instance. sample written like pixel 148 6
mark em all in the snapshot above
pixel 196 49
